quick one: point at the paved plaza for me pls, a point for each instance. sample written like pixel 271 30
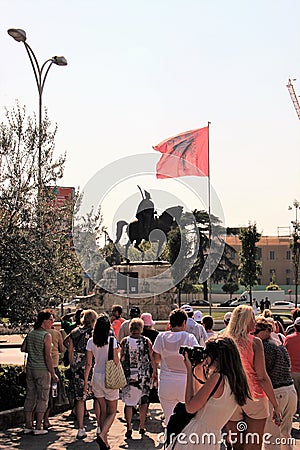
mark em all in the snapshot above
pixel 62 434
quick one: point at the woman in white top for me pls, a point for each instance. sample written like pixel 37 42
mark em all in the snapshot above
pixel 97 346
pixel 172 378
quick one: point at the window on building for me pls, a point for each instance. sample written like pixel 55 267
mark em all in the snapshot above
pixel 259 281
pixel 288 271
pixel 272 255
pixel 258 253
pixel 288 281
pixel 288 254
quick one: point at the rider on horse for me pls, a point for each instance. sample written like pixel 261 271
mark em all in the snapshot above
pixel 145 214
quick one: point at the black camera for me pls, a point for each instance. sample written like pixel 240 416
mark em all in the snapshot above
pixel 195 354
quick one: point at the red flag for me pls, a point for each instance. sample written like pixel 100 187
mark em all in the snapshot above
pixel 185 154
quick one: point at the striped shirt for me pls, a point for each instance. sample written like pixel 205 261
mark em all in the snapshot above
pixel 35 348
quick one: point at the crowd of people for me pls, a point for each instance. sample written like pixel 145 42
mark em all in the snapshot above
pixel 249 372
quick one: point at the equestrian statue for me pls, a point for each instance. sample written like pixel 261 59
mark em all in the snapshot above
pixel 147 225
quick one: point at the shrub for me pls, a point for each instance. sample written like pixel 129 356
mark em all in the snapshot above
pixel 11 394
pixel 272 287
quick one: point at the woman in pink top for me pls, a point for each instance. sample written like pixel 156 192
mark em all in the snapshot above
pixel 254 413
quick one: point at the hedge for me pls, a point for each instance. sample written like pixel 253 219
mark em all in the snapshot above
pixel 11 394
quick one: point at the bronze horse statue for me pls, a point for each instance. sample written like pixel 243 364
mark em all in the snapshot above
pixel 141 229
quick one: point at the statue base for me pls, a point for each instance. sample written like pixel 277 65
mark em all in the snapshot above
pixel 148 285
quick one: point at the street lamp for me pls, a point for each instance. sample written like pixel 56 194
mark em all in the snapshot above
pixel 295 246
pixel 40 78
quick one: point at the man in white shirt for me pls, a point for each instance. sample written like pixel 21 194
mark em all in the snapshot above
pixel 172 377
pixel 193 327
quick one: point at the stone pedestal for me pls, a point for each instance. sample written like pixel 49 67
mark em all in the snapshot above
pixel 147 285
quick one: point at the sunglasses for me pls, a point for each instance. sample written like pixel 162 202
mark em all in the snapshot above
pixel 258 330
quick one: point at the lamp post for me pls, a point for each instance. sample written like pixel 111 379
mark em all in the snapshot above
pixel 40 78
pixel 295 246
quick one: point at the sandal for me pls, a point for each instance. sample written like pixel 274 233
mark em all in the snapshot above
pixel 142 431
pixel 128 434
pixel 101 443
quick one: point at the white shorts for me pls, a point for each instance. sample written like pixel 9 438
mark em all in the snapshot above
pixel 99 389
pixel 132 396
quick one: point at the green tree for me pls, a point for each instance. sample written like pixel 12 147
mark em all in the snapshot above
pixel 180 237
pixel 178 243
pixel 249 269
pixel 38 264
pixel 230 287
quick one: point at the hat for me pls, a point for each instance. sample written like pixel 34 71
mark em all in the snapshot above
pixel 297 322
pixel 135 311
pixel 198 316
pixel 147 319
pixel 227 316
pixel 187 308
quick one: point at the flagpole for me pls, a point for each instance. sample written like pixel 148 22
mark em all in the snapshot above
pixel 209 230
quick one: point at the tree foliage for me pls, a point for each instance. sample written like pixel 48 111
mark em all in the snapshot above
pixel 249 269
pixel 177 238
pixel 38 264
pixel 230 288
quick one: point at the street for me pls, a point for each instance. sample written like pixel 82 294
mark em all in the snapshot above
pixel 11 356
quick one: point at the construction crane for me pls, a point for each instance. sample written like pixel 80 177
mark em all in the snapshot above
pixel 294 97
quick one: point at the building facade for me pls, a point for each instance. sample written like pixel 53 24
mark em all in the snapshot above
pixel 274 256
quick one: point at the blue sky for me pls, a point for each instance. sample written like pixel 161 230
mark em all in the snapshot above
pixel 141 71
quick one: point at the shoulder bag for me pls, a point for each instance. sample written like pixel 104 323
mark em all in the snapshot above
pixel 21 377
pixel 180 418
pixel 114 374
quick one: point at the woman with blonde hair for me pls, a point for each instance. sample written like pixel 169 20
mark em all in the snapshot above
pixel 136 359
pixel 256 410
pixel 77 356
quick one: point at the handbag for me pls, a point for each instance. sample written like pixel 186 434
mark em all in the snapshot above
pixel 153 394
pixel 180 418
pixel 21 377
pixel 68 373
pixel 114 373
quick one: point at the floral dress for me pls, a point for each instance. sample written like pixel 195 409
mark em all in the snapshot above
pixel 79 337
pixel 136 363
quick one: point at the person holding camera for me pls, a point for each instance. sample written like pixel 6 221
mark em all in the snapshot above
pixel 172 377
pixel 222 387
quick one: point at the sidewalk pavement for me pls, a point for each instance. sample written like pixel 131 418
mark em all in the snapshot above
pixel 62 434
pixel 11 340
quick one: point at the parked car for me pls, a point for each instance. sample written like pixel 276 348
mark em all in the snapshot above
pixel 283 305
pixel 70 306
pixel 286 319
pixel 199 303
pixel 226 303
pixel 241 301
